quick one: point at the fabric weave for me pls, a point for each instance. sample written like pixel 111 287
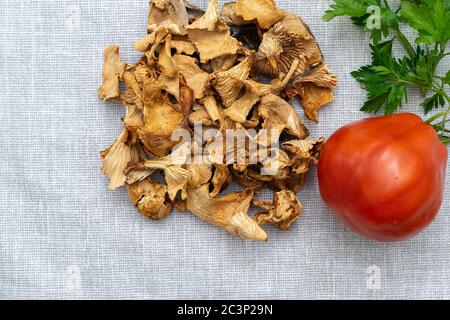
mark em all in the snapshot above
pixel 64 235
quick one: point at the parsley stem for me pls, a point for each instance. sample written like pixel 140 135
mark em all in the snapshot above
pixel 412 84
pixel 435 117
pixel 441 126
pixel 446 140
pixel 444 119
pixel 445 95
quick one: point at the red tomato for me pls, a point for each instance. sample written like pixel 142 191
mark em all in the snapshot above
pixel 384 177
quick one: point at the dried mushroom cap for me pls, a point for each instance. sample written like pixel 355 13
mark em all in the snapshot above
pixel 320 76
pixel 193 11
pixel 240 108
pixel 182 45
pixel 195 77
pixel 150 199
pixel 314 90
pixel 312 98
pixel 175 175
pixel 211 35
pixel 224 62
pixel 284 210
pixel 172 67
pixel 165 17
pixel 265 12
pixel 286 41
pixel 200 115
pixel 113 69
pixel 228 212
pixel 304 153
pixel 263 89
pixel 229 83
pixel 117 157
pixel 151 42
pixel 274 161
pixel 199 174
pixel 133 120
pixel 229 16
pixel 170 14
pixel 311 147
pixel 278 116
pixel 161 118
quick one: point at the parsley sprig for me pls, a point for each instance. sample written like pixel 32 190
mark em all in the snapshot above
pixel 388 78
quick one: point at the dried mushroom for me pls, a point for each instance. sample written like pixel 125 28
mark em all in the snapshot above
pixel 279 116
pixel 229 83
pixel 176 176
pixel 199 115
pixel 265 12
pixel 170 14
pixel 215 112
pixel 229 16
pixel 288 40
pixel 150 199
pixel 211 35
pixel 314 90
pixel 284 210
pixel 117 157
pixel 161 118
pixel 113 69
pixel 228 212
pixel 220 179
pixel 182 45
pixel 206 105
pixel 199 174
pixel 303 153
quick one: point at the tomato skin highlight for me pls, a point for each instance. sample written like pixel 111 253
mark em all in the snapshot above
pixel 384 177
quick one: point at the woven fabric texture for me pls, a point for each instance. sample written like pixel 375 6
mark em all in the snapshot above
pixel 64 235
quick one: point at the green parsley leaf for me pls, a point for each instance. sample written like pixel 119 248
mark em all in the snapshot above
pixel 361 12
pixel 388 78
pixel 351 8
pixel 435 101
pixel 381 80
pixel 421 68
pixel 431 18
pixel 447 78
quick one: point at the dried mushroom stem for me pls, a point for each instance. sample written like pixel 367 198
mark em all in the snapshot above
pixel 228 212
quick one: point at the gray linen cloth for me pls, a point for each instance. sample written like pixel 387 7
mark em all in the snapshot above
pixel 63 234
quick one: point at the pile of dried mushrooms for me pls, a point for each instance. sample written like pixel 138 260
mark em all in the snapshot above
pixel 231 70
